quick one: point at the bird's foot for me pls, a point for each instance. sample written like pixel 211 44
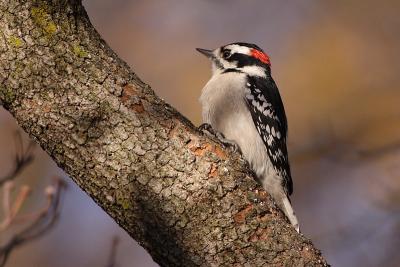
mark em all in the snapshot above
pixel 232 145
pixel 207 129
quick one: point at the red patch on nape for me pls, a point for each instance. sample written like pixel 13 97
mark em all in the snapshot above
pixel 260 56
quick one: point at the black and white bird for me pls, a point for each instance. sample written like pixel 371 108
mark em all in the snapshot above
pixel 242 101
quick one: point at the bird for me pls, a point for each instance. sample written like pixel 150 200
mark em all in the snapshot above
pixel 242 106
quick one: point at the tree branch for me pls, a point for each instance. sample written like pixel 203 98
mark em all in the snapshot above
pixel 185 199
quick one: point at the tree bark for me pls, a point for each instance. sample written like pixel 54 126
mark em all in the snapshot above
pixel 184 198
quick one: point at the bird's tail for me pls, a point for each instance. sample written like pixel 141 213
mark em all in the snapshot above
pixel 283 202
pixel 289 212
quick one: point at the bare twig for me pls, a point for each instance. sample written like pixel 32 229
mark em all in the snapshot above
pixel 7 188
pixel 22 196
pixel 10 213
pixel 42 222
pixel 23 156
pixel 113 253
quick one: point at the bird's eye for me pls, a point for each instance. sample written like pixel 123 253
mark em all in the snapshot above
pixel 226 54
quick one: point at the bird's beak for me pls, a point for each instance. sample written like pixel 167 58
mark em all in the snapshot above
pixel 206 52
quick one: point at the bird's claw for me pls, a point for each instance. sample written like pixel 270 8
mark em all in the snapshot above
pixel 206 128
pixel 232 145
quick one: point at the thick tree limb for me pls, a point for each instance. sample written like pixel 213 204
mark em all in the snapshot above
pixel 179 194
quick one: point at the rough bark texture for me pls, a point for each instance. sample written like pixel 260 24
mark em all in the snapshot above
pixel 188 201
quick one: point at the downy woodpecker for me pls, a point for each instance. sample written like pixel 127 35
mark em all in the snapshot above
pixel 242 101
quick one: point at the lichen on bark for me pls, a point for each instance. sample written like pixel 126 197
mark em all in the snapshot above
pixel 182 196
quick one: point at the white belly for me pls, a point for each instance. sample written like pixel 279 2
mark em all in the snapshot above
pixel 225 109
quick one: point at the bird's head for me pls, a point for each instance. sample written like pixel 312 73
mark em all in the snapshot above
pixel 244 57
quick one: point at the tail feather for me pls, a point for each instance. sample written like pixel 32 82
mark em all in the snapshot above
pixel 273 185
pixel 289 212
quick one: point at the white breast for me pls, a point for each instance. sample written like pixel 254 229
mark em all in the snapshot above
pixel 224 107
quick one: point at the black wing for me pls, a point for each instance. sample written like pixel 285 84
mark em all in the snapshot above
pixel 266 108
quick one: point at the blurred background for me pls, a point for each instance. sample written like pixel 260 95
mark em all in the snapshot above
pixel 337 65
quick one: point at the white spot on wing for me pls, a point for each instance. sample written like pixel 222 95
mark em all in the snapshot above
pixel 249 96
pixel 267 113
